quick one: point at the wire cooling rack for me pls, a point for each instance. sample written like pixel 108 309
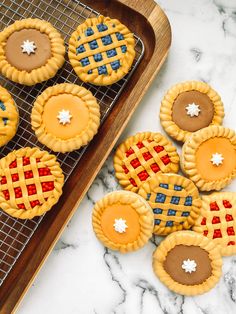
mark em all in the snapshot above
pixel 65 15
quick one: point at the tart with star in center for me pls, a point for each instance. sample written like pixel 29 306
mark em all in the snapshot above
pixel 209 157
pixel 188 107
pixel 65 117
pixel 187 263
pixel 175 202
pixel 9 117
pixel 142 156
pixel 101 50
pixel 31 182
pixel 123 221
pixel 31 51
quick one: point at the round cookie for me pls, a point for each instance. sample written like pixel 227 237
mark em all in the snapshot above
pixel 188 107
pixel 175 202
pixel 31 51
pixel 123 221
pixel 209 157
pixel 142 156
pixel 65 117
pixel 217 220
pixel 31 182
pixel 187 263
pixel 101 50
pixel 9 117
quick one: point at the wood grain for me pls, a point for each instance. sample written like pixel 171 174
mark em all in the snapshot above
pixel 151 24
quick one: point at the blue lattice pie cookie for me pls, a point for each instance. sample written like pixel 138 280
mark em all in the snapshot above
pixel 101 50
pixel 9 117
pixel 175 202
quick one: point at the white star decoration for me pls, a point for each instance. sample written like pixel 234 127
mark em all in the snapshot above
pixel 193 110
pixel 120 225
pixel 28 47
pixel 64 116
pixel 189 266
pixel 217 159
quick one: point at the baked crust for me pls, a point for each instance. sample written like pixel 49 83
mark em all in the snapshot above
pixel 42 73
pixel 187 238
pixel 167 103
pixel 50 140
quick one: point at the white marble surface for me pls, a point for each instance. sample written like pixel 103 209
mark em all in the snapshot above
pixel 81 276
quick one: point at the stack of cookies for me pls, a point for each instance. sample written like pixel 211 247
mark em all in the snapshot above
pixel 200 229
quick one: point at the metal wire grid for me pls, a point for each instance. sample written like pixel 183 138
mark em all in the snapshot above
pixel 65 15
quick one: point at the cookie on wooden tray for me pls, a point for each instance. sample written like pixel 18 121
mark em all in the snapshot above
pixel 31 182
pixel 209 157
pixel 31 51
pixel 123 221
pixel 142 156
pixel 175 202
pixel 101 50
pixel 9 117
pixel 217 220
pixel 65 117
pixel 187 263
pixel 188 107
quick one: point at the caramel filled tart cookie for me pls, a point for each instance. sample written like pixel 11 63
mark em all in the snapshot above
pixel 31 51
pixel 142 156
pixel 188 107
pixel 31 182
pixel 187 263
pixel 174 200
pixel 65 117
pixel 123 221
pixel 209 157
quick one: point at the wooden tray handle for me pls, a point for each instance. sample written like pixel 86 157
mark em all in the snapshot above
pixel 144 7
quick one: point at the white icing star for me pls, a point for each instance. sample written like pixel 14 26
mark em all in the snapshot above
pixel 64 116
pixel 193 110
pixel 28 47
pixel 217 159
pixel 189 266
pixel 120 225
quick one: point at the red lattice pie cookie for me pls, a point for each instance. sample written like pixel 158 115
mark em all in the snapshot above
pixel 143 155
pixel 217 220
pixel 31 182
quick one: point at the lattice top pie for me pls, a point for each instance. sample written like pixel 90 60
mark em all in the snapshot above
pixel 142 156
pixel 31 182
pixel 101 50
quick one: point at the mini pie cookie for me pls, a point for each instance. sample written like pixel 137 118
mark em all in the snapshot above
pixel 143 155
pixel 217 220
pixel 9 117
pixel 188 107
pixel 65 117
pixel 101 50
pixel 187 263
pixel 31 182
pixel 209 157
pixel 31 51
pixel 123 221
pixel 175 202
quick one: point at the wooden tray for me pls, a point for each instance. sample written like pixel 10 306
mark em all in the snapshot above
pixel 152 26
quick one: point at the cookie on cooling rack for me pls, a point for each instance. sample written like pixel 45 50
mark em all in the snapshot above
pixel 65 117
pixel 217 220
pixel 209 157
pixel 175 202
pixel 31 182
pixel 31 51
pixel 188 107
pixel 123 221
pixel 142 156
pixel 187 263
pixel 101 50
pixel 9 117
